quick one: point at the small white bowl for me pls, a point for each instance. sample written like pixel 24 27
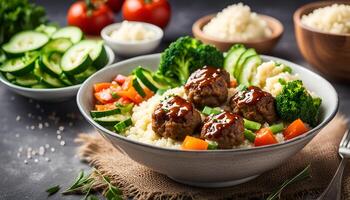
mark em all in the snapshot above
pixel 135 47
pixel 50 94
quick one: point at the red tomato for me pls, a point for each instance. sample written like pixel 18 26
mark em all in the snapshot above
pixel 91 18
pixel 104 96
pixel 264 136
pixel 156 12
pixel 120 79
pixel 115 5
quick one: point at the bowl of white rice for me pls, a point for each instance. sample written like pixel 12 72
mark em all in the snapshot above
pixel 322 30
pixel 237 23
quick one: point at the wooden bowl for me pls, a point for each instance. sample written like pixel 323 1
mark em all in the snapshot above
pixel 263 46
pixel 327 52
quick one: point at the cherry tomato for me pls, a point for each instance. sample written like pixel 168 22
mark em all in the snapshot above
pixel 156 12
pixel 91 18
pixel 115 5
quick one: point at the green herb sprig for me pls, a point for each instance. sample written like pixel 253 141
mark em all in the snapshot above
pixel 52 190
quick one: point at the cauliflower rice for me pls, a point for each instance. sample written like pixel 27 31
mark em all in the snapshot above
pixel 142 122
pixel 237 22
pixel 331 19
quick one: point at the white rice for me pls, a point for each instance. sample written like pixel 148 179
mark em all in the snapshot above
pixel 142 122
pixel 331 19
pixel 237 22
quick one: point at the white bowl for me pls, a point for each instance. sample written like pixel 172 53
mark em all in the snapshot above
pixel 50 94
pixel 132 48
pixel 217 168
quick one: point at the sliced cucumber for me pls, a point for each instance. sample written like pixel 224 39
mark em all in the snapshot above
pixel 121 126
pixel 138 88
pixel 46 78
pixel 97 114
pixel 40 86
pixel 232 58
pixel 110 120
pixel 27 80
pixel 145 76
pixel 79 78
pixel 249 69
pixel 25 41
pixel 66 80
pixel 20 66
pixel 47 29
pixel 50 63
pixel 71 32
pixel 9 76
pixel 243 57
pixel 60 45
pixel 76 59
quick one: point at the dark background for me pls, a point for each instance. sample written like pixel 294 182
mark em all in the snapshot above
pixel 29 181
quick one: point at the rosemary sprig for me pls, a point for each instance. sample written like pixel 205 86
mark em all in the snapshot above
pixel 276 194
pixel 52 190
pixel 112 192
pixel 82 184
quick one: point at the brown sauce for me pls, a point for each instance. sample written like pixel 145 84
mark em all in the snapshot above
pixel 251 96
pixel 174 107
pixel 203 77
pixel 214 125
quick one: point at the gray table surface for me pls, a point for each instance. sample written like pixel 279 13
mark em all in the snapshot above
pixel 22 118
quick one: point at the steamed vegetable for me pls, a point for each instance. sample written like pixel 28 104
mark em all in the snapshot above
pixel 184 56
pixel 264 136
pixel 295 102
pixel 193 143
pixel 295 129
pixel 19 15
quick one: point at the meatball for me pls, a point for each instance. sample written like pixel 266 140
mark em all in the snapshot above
pixel 226 128
pixel 254 104
pixel 208 87
pixel 175 118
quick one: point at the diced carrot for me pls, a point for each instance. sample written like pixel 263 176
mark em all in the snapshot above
pixel 233 84
pixel 105 107
pixel 120 79
pixel 101 86
pixel 296 128
pixel 264 136
pixel 192 143
pixel 104 96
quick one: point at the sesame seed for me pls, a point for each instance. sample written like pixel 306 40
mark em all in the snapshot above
pixel 52 149
pixel 62 143
pixel 47 146
pixel 41 150
pixel 40 126
pixel 25 161
pixel 18 118
pixel 32 127
pixel 58 132
pixel 47 159
pixel 18 155
pixel 59 137
pixel 36 160
pixel 46 124
pixel 61 128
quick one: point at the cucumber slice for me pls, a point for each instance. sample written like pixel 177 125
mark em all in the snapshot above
pixel 2 57
pixel 25 41
pixel 76 59
pixel 243 57
pixel 145 76
pixel 110 120
pixel 47 29
pixel 71 32
pixel 232 58
pixel 65 79
pixel 46 78
pixel 249 69
pixel 138 88
pixel 121 126
pixel 20 66
pixel 9 76
pixel 97 114
pixel 40 86
pixel 50 63
pixel 27 80
pixel 79 78
pixel 60 45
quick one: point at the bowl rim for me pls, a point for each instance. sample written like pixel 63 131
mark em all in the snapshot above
pixel 277 30
pixel 312 6
pixel 111 58
pixel 106 31
pixel 311 133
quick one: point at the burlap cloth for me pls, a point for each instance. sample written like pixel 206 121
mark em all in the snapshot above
pixel 139 182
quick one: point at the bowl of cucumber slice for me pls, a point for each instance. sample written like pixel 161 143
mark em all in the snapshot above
pixel 49 63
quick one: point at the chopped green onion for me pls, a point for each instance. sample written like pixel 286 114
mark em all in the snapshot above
pixel 114 95
pixel 121 126
pixel 276 128
pixel 208 111
pixel 249 135
pixel 251 125
pixel 161 91
pixel 212 145
pixel 241 87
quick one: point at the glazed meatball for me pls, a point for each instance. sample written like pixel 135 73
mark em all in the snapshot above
pixel 175 118
pixel 208 87
pixel 254 104
pixel 226 128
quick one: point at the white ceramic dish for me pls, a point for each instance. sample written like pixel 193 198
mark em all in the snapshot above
pixel 132 48
pixel 50 94
pixel 218 168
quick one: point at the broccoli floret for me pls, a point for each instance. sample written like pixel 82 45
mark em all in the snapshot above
pixel 295 102
pixel 184 56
